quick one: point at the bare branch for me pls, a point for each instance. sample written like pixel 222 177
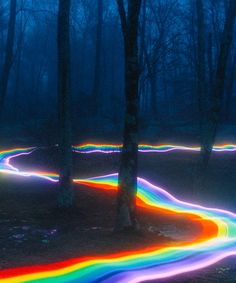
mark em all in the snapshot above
pixel 121 9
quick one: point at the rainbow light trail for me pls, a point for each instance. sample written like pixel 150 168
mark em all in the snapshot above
pixel 112 148
pixel 217 239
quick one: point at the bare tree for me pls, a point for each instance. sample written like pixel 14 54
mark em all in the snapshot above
pixel 219 82
pixel 126 204
pixel 65 197
pixel 8 54
pixel 156 45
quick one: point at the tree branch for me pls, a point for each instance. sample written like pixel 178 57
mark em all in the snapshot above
pixel 121 9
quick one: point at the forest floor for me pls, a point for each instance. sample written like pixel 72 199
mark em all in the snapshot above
pixel 33 231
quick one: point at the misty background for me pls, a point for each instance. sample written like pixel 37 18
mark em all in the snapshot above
pixel 168 66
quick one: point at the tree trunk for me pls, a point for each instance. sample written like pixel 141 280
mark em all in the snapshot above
pixel 97 67
pixel 142 81
pixel 201 82
pixel 126 202
pixel 65 195
pixel 8 55
pixel 151 72
pixel 18 60
pixel 210 64
pixel 229 89
pixel 153 86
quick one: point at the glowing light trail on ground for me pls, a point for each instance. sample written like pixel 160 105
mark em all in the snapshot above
pixel 216 241
pixel 112 148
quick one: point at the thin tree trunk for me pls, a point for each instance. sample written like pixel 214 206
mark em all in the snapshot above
pixel 201 81
pixel 210 64
pixel 8 55
pixel 229 89
pixel 16 87
pixel 97 67
pixel 65 196
pixel 201 89
pixel 20 43
pixel 82 69
pixel 151 72
pixel 142 81
pixel 153 86
pixel 165 86
pixel 126 202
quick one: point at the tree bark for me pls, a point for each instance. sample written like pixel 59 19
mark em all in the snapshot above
pixel 201 80
pixel 151 72
pixel 142 81
pixel 127 188
pixel 65 194
pixel 18 61
pixel 153 87
pixel 229 89
pixel 210 63
pixel 8 55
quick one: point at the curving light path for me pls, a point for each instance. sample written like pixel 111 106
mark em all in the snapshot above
pixel 217 239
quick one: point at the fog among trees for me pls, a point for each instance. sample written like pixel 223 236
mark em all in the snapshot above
pixel 180 60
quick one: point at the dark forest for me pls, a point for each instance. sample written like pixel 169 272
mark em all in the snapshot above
pixel 118 141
